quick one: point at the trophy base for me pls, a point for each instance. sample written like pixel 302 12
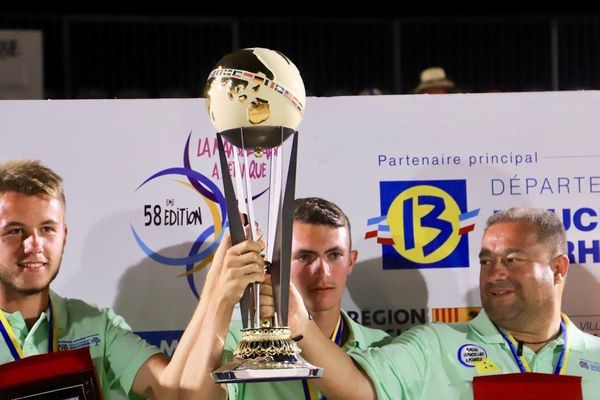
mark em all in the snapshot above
pixel 266 369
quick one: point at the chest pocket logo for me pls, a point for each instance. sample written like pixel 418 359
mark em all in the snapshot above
pixel 86 341
pixel 468 354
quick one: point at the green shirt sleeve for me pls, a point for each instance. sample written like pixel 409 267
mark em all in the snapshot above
pixel 400 370
pixel 125 353
pixel 232 339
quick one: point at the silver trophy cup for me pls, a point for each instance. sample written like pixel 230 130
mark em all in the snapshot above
pixel 256 100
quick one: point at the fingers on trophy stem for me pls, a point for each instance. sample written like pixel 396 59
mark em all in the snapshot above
pixel 267 302
pixel 265 287
pixel 268 282
pixel 266 311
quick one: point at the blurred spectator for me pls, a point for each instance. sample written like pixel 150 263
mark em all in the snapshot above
pixel 434 81
pixel 370 91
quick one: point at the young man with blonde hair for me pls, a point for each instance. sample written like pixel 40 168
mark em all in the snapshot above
pixel 35 320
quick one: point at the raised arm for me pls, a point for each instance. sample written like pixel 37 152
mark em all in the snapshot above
pixel 199 351
pixel 319 350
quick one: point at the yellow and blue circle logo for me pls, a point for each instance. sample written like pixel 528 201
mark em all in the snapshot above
pixel 196 222
pixel 423 224
pixel 189 218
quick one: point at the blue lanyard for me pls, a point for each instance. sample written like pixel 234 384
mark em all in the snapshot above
pixel 310 391
pixel 13 343
pixel 521 361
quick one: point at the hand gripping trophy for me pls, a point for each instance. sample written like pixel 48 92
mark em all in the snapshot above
pixel 256 101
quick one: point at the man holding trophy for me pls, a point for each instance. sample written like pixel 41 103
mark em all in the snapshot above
pixel 256 101
pixel 36 321
pixel 520 339
pixel 523 272
pixel 322 259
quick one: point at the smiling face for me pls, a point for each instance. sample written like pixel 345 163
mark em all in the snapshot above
pixel 32 239
pixel 518 278
pixel 321 262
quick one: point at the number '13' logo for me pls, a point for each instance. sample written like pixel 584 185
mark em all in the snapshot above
pixel 424 223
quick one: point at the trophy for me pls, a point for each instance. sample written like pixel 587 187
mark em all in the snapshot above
pixel 256 101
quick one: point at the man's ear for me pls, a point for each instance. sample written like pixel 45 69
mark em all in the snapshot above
pixel 560 267
pixel 352 257
pixel 65 239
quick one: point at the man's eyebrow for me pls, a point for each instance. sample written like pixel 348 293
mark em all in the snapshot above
pixel 334 248
pixel 514 250
pixel 487 252
pixel 50 222
pixel 20 224
pixel 13 224
pixel 484 252
pixel 305 251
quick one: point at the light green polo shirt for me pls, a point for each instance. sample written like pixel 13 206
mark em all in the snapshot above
pixel 435 359
pixel 116 351
pixel 360 337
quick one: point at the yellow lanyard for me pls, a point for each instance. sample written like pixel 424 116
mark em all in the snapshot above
pixel 13 343
pixel 311 392
pixel 563 359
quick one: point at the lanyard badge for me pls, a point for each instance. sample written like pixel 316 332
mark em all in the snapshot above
pixel 310 390
pixel 521 361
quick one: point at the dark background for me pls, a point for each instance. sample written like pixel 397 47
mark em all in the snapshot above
pixel 138 50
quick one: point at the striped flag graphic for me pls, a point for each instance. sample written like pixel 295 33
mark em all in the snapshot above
pixel 457 314
pixel 465 227
pixel 382 232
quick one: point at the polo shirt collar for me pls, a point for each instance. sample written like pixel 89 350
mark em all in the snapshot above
pixel 355 337
pixel 577 338
pixel 60 311
pixel 482 327
pixel 18 326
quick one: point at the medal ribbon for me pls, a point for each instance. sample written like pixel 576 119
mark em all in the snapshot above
pixel 310 390
pixel 561 364
pixel 13 343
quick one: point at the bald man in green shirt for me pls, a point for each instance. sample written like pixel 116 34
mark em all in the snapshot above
pixel 521 328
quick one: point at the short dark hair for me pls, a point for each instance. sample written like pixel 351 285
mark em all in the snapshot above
pixel 30 178
pixel 318 211
pixel 551 230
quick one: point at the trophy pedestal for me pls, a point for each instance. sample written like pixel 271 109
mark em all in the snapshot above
pixel 265 369
pixel 266 354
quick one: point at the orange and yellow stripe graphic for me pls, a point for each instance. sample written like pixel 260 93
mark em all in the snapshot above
pixel 456 314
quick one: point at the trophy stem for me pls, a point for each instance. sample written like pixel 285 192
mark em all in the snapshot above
pixel 266 351
pixel 256 288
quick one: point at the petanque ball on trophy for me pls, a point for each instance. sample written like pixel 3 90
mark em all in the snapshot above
pixel 255 88
pixel 256 101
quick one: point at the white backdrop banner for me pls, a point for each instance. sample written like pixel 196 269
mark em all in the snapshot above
pixel 417 175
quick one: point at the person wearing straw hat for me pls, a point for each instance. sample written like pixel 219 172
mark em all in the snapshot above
pixel 434 81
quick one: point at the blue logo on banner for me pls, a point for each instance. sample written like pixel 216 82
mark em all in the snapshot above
pixel 423 224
